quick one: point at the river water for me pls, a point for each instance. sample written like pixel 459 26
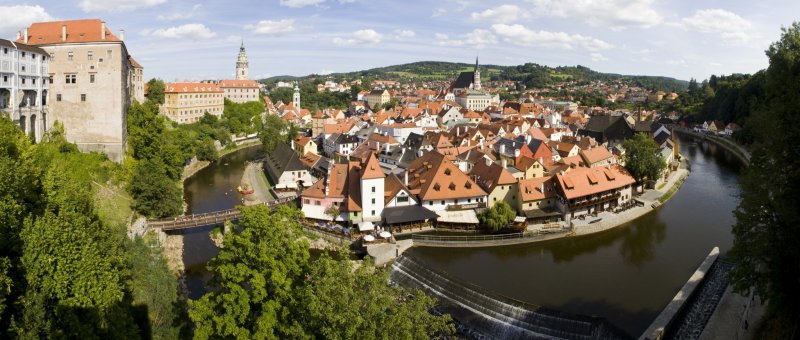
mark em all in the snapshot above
pixel 626 275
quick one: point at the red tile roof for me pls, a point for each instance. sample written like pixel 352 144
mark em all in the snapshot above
pixel 78 31
pixel 587 181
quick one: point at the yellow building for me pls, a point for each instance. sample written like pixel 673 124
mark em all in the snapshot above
pixel 376 98
pixel 186 103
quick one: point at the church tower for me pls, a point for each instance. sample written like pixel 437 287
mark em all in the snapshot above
pixel 296 97
pixel 241 64
pixel 477 81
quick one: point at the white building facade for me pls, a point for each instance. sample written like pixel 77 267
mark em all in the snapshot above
pixel 24 78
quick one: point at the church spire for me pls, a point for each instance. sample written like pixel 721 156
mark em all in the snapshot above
pixel 476 82
pixel 242 64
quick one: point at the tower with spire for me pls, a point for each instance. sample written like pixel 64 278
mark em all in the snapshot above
pixel 476 82
pixel 241 64
pixel 296 97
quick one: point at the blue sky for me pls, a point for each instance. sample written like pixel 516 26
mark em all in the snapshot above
pixel 176 40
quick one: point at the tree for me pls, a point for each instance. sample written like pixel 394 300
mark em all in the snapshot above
pixel 154 193
pixel 265 286
pixel 333 211
pixel 155 90
pixel 498 216
pixel 766 233
pixel 271 133
pixel 206 150
pixel 642 159
pixel 254 278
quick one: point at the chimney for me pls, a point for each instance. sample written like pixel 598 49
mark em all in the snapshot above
pixel 502 149
pixel 541 160
pixel 542 188
pixel 63 33
pixel 405 179
pixel 103 30
pixel 26 36
pixel 19 35
pixel 122 35
pixel 292 144
pixel 505 163
pixel 488 161
pixel 528 139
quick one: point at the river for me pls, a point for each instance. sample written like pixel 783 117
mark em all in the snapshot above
pixel 626 275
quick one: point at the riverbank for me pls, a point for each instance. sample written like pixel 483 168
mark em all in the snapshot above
pixel 735 149
pixel 194 167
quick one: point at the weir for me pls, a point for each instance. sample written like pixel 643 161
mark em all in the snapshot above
pixel 483 314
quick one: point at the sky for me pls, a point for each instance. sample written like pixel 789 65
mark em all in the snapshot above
pixel 193 40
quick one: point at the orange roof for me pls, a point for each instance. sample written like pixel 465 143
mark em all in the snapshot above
pixel 432 177
pixel 595 155
pixel 310 159
pixel 372 169
pixel 535 189
pixel 191 87
pixel 336 183
pixel 238 83
pixel 78 31
pixel 302 140
pixel 573 161
pixel 587 181
pixel 490 176
pixel 472 115
pixel 392 186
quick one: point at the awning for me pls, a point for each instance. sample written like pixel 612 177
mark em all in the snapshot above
pixel 411 213
pixel 460 216
pixel 538 213
pixel 366 226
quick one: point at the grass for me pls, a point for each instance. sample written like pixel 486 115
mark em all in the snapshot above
pixel 671 191
pixel 264 180
pixel 113 204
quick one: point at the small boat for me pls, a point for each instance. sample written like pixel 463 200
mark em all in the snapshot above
pixel 245 190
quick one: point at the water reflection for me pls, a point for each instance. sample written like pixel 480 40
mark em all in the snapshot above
pixel 627 274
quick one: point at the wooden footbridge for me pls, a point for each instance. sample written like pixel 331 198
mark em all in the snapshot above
pixel 206 219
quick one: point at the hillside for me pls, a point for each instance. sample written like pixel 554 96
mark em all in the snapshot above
pixel 531 75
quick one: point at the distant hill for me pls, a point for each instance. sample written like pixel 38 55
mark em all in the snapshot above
pixel 532 75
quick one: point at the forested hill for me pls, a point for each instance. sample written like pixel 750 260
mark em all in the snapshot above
pixel 531 75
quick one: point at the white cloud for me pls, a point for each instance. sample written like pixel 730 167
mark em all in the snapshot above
pixel 438 12
pixel 614 14
pixel 234 39
pixel 188 31
pixel 359 37
pixel 404 34
pixel 597 57
pixel 300 3
pixel 521 35
pixel 16 18
pixel 502 13
pixel 731 27
pixel 116 5
pixel 478 38
pixel 271 27
pixel 180 15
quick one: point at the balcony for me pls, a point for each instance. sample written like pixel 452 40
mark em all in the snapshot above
pixel 593 199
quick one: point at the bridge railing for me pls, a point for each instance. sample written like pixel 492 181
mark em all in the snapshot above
pixel 199 220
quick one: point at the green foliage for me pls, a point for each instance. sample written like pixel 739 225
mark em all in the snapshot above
pixel 642 159
pixel 391 104
pixel 155 194
pixel 240 118
pixel 342 302
pixel 255 275
pixel 272 133
pixel 267 287
pixel 766 233
pixel 155 91
pixel 206 150
pixel 498 216
pixel 154 288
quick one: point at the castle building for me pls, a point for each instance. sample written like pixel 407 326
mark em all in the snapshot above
pixel 186 103
pixel 296 97
pixel 242 65
pixel 92 82
pixel 24 82
pixel 240 91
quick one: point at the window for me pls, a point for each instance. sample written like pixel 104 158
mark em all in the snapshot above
pixel 5 79
pixel 70 79
pixel 306 201
pixel 91 78
pixel 429 203
pixel 23 54
pixel 89 55
pixel 58 97
pixel 83 97
pixel 23 81
pixel 23 68
pixel 5 50
pixel 402 199
pixel 108 52
pixel 373 201
pixel 373 213
pixel 373 190
pixel 69 56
